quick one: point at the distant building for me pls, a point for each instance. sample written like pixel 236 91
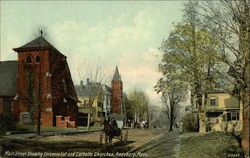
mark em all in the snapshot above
pixel 107 96
pixel 99 99
pixel 42 76
pixel 91 97
pixel 117 91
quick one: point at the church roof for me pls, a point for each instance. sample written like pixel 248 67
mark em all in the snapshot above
pixel 39 42
pixel 36 44
pixel 8 74
pixel 116 76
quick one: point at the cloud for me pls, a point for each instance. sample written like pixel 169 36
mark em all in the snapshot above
pixel 127 41
pixel 6 50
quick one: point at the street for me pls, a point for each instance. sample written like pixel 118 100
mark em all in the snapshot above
pixel 166 146
pixel 83 142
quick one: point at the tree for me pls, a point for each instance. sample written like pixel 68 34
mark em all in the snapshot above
pixel 94 76
pixel 189 54
pixel 138 105
pixel 230 21
pixel 173 92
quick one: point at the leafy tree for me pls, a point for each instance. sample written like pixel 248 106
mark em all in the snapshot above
pixel 189 53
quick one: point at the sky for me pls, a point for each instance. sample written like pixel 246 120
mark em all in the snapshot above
pixel 96 35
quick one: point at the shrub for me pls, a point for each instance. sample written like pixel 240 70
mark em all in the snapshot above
pixel 7 122
pixel 190 122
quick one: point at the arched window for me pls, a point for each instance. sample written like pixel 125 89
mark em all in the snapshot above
pixel 38 59
pixel 64 86
pixel 28 60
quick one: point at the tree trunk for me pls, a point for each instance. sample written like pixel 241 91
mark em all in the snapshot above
pixel 202 115
pixel 88 124
pixel 245 130
pixel 171 121
pixel 38 123
pixel 245 43
pixel 202 122
pixel 171 117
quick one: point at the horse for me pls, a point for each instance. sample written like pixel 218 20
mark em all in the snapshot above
pixel 110 132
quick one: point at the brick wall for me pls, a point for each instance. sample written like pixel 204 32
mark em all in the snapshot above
pixel 116 96
pixel 49 78
pixel 65 122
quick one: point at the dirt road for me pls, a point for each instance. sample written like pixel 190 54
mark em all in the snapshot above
pixel 87 142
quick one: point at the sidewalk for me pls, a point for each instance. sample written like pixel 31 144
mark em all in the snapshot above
pixel 148 141
pixel 31 135
pixel 166 145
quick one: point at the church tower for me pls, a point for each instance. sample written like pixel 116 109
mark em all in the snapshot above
pixel 44 79
pixel 117 91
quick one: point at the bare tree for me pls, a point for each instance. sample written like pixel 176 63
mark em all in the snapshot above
pixel 138 105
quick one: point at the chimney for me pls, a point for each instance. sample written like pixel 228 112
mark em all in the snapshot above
pixel 81 83
pixel 87 81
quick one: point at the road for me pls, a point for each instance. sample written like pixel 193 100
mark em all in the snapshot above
pixel 165 146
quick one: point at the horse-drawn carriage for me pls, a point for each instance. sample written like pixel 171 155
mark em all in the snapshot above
pixel 113 129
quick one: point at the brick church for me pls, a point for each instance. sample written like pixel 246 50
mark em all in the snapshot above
pixel 117 91
pixel 40 76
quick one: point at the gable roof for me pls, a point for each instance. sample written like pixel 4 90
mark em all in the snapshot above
pixel 8 74
pixel 90 90
pixel 116 76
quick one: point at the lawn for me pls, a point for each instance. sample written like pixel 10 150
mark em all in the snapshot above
pixel 209 145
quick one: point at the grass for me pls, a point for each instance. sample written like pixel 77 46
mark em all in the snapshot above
pixel 209 145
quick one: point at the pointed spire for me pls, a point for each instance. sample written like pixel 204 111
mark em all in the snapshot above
pixel 116 76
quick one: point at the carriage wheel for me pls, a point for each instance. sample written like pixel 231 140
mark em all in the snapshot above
pixel 100 140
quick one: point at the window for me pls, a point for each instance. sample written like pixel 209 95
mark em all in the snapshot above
pixel 38 59
pixel 235 115
pixel 28 60
pixel 25 116
pixel 64 86
pixel 212 101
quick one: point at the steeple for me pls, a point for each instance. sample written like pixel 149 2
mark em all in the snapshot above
pixel 116 76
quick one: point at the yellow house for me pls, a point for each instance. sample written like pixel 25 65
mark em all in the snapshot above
pixel 91 98
pixel 223 111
